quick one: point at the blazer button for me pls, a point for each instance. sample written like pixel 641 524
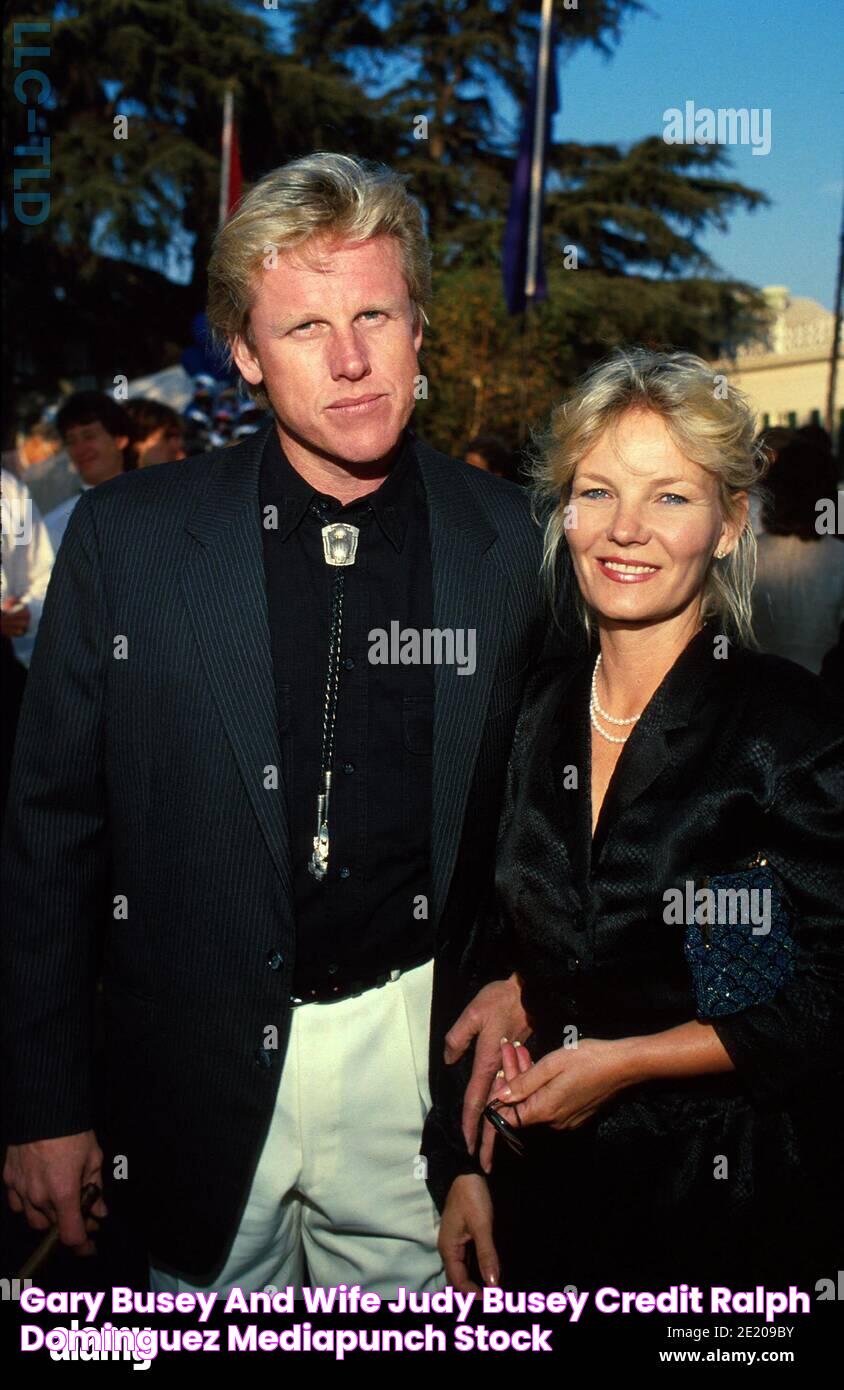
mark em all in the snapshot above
pixel 263 1059
pixel 275 960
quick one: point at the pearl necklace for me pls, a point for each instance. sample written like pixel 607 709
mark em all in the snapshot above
pixel 595 709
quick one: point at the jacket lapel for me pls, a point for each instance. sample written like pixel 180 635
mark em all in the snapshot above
pixel 224 590
pixel 469 591
pixel 656 739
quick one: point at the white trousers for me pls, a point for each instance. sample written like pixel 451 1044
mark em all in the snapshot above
pixel 340 1183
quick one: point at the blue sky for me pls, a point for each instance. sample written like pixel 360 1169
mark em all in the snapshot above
pixel 780 54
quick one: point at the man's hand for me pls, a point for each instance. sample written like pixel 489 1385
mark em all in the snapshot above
pixel 45 1179
pixel 15 618
pixel 494 1014
pixel 467 1219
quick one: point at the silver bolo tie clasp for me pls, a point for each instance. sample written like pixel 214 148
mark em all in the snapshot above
pixel 340 543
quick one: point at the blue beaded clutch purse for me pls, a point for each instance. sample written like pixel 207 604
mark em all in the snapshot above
pixel 739 945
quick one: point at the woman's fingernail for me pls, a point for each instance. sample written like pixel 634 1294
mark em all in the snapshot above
pixel 498 1075
pixel 491 1279
pixel 517 1043
pixel 506 1091
pixel 503 1041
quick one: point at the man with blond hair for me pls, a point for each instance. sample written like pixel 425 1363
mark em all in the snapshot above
pixel 280 834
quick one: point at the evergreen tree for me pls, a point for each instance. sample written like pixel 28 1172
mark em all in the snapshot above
pixel 90 284
pixel 437 58
pixel 628 219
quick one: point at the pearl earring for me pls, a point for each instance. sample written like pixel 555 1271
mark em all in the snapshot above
pixel 719 554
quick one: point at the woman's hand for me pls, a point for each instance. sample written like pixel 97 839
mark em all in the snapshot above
pixel 467 1220
pixel 515 1059
pixel 566 1087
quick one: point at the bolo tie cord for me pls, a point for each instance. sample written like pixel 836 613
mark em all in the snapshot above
pixel 339 549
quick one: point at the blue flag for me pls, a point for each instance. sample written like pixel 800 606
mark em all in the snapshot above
pixel 514 260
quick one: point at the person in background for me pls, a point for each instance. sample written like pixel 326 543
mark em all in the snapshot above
pixel 248 421
pixel 96 431
pixel 773 440
pixel 798 597
pixel 158 434
pixel 196 432
pixel 39 461
pixel 27 561
pixel 817 436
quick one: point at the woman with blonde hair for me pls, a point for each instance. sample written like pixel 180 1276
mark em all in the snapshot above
pixel 669 885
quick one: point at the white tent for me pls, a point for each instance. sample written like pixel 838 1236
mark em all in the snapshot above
pixel 172 386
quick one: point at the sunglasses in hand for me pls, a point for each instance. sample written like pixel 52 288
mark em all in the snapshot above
pixel 508 1132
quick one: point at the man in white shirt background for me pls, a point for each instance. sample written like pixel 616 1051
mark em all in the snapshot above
pixel 39 461
pixel 27 561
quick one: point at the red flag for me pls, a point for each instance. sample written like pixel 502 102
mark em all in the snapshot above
pixel 230 174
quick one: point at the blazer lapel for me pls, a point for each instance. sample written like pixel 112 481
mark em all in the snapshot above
pixel 469 592
pixel 655 739
pixel 224 590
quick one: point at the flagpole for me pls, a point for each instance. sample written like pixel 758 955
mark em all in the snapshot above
pixel 225 171
pixel 836 342
pixel 534 229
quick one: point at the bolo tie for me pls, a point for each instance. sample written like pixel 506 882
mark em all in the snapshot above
pixel 339 548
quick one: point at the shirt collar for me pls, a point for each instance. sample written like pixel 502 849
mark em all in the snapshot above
pixel 390 503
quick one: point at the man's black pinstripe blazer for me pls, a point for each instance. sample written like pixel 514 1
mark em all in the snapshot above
pixel 140 814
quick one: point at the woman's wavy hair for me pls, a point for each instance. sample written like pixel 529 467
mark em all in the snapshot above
pixel 711 422
pixel 322 194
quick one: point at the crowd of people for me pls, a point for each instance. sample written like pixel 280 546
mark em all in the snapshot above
pixel 90 438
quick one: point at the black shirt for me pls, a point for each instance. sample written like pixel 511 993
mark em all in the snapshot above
pixel 370 913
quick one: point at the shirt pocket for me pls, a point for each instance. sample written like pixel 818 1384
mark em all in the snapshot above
pixel 418 724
